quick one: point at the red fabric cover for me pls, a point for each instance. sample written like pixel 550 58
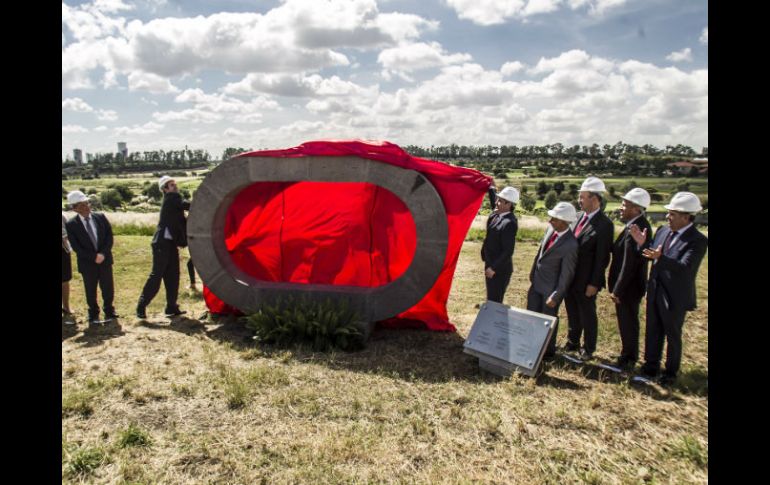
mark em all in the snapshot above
pixel 347 233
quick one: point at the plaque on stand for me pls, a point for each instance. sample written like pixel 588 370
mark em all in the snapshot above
pixel 507 339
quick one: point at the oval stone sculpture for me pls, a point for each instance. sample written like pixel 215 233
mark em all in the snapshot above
pixel 206 238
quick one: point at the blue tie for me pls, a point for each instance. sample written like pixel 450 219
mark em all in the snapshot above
pixel 91 232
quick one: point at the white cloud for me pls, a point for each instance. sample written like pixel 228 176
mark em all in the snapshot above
pixel 100 129
pixel 77 105
pixel 107 115
pixel 293 85
pixel 73 129
pixel 493 12
pixel 190 115
pixel 142 81
pixel 413 57
pixel 704 36
pixel 148 128
pixel 685 55
pixel 510 68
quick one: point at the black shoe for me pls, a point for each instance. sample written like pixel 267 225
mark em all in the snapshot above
pixel 584 355
pixel 141 313
pixel 549 357
pixel 175 313
pixel 111 316
pixel 667 380
pixel 625 362
pixel 570 347
pixel 92 322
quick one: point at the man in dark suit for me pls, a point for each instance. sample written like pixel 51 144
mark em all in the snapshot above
pixel 627 279
pixel 553 268
pixel 170 235
pixel 499 243
pixel 90 235
pixel 676 254
pixel 594 232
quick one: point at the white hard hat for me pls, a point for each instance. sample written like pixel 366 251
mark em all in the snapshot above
pixel 510 194
pixel 76 197
pixel 638 196
pixel 163 181
pixel 593 184
pixel 564 211
pixel 684 202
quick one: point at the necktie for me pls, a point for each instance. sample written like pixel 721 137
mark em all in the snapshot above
pixel 581 224
pixel 551 241
pixel 670 238
pixel 91 232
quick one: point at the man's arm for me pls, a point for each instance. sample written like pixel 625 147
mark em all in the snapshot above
pixel 688 260
pixel 602 258
pixel 566 273
pixel 508 241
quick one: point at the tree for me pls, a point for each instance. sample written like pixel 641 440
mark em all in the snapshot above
pixel 629 186
pixel 558 187
pixel 551 199
pixel 542 188
pixel 111 198
pixel 682 185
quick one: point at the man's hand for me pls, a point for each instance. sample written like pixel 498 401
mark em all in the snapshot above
pixel 653 253
pixel 637 235
pixel 615 299
pixel 591 290
pixel 550 302
pixel 99 258
pixel 490 273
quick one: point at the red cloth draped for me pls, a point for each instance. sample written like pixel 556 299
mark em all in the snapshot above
pixel 347 233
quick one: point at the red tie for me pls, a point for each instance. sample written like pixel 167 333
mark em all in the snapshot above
pixel 550 241
pixel 581 224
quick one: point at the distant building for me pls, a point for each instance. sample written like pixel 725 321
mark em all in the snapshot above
pixel 78 154
pixel 123 149
pixel 685 167
pixel 89 157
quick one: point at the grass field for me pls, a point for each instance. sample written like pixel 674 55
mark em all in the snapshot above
pixel 194 401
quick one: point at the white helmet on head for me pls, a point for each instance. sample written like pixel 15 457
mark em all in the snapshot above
pixel 510 194
pixel 564 211
pixel 76 197
pixel 638 196
pixel 163 181
pixel 593 184
pixel 684 202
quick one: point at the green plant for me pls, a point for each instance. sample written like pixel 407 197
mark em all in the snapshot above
pixel 111 198
pixel 83 461
pixel 324 325
pixel 133 436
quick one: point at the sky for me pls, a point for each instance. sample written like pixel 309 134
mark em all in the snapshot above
pixel 163 74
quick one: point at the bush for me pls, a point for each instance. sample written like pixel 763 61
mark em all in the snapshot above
pixel 551 199
pixel 527 202
pixel 565 197
pixel 682 185
pixel 153 192
pixel 629 186
pixel 126 194
pixel 324 325
pixel 111 198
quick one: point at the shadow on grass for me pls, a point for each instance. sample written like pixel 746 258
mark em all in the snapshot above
pixel 68 331
pixel 96 335
pixel 187 326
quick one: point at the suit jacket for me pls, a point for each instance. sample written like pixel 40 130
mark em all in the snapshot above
pixel 81 243
pixel 172 217
pixel 552 271
pixel 628 270
pixel 672 278
pixel 594 244
pixel 499 242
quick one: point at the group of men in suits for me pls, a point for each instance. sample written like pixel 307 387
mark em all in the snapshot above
pixel 89 234
pixel 573 257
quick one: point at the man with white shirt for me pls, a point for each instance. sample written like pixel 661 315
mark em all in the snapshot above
pixel 499 243
pixel 594 232
pixel 676 253
pixel 170 235
pixel 90 235
pixel 553 268
pixel 627 279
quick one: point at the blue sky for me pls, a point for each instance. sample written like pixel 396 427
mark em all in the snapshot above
pixel 161 74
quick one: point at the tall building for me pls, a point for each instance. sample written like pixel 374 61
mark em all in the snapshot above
pixel 78 154
pixel 122 149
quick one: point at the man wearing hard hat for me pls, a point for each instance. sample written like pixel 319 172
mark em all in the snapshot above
pixel 170 235
pixel 553 268
pixel 627 279
pixel 499 243
pixel 676 253
pixel 594 232
pixel 90 235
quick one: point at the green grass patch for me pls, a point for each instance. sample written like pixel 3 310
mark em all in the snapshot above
pixel 523 234
pixel 132 230
pixel 79 402
pixel 82 461
pixel 690 449
pixel 133 437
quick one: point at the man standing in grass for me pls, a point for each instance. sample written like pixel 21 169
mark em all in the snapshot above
pixel 499 243
pixel 553 268
pixel 170 235
pixel 90 235
pixel 676 254
pixel 594 232
pixel 628 274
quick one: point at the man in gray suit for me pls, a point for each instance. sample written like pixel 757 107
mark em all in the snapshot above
pixel 553 268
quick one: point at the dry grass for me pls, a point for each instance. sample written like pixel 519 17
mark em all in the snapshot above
pixel 193 401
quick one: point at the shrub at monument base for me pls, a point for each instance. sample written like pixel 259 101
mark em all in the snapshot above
pixel 323 325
